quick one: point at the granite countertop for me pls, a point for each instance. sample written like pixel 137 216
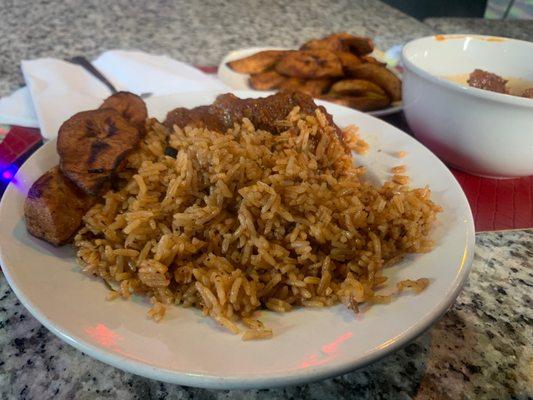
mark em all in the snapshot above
pixel 481 348
pixel 198 32
pixel 512 28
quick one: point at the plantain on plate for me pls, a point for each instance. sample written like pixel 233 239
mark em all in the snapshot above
pixel 339 68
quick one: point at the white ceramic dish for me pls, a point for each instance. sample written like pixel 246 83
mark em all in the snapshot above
pixel 481 132
pixel 238 81
pixel 189 349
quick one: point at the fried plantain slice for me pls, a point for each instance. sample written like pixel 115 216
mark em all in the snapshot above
pixel 310 64
pixel 373 60
pixel 331 43
pixel 382 77
pixel 267 80
pixel 258 62
pixel 359 45
pixel 54 208
pixel 312 87
pixel 130 106
pixel 369 102
pixel 348 60
pixel 355 87
pixel 92 144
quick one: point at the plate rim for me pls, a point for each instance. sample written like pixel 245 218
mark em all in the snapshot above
pixel 393 109
pixel 210 381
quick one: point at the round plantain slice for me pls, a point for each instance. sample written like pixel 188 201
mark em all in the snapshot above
pixel 312 87
pixel 92 144
pixel 368 102
pixel 256 63
pixel 355 87
pixel 381 76
pixel 266 80
pixel 130 106
pixel 310 64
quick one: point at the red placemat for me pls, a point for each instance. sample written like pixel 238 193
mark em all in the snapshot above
pixel 498 204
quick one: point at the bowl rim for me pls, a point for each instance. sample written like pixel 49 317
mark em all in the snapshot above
pixel 468 90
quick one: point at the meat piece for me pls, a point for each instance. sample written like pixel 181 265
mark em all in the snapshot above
pixel 310 64
pixel 54 208
pixel 487 80
pixel 130 106
pixel 256 63
pixel 92 144
pixel 265 113
pixel 266 80
pixel 312 87
pixel 528 93
pixel 202 116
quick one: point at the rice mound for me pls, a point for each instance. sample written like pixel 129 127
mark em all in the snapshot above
pixel 247 220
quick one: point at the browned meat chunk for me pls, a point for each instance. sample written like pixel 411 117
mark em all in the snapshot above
pixel 130 106
pixel 528 93
pixel 487 80
pixel 54 208
pixel 92 144
pixel 265 113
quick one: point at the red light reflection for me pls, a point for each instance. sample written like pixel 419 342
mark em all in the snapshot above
pixel 328 351
pixel 103 335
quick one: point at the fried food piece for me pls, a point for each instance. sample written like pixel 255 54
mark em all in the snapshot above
pixel 258 62
pixel 382 77
pixel 92 144
pixel 54 208
pixel 312 87
pixel 355 87
pixel 267 80
pixel 369 102
pixel 528 93
pixel 331 43
pixel 348 60
pixel 130 106
pixel 360 45
pixel 345 42
pixel 487 80
pixel 310 64
pixel 373 60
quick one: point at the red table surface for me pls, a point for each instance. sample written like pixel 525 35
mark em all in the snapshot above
pixel 497 204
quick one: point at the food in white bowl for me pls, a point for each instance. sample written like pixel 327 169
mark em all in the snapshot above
pixel 477 130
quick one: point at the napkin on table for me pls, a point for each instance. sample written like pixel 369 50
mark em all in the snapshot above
pixel 57 89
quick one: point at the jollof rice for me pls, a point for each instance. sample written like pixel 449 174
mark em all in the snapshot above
pixel 248 220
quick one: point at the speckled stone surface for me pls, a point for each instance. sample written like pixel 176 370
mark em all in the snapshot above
pixel 512 28
pixel 194 31
pixel 481 349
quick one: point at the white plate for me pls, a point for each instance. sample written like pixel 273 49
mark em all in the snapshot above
pixel 189 349
pixel 238 81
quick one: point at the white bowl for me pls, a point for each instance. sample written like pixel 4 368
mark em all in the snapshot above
pixel 482 132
